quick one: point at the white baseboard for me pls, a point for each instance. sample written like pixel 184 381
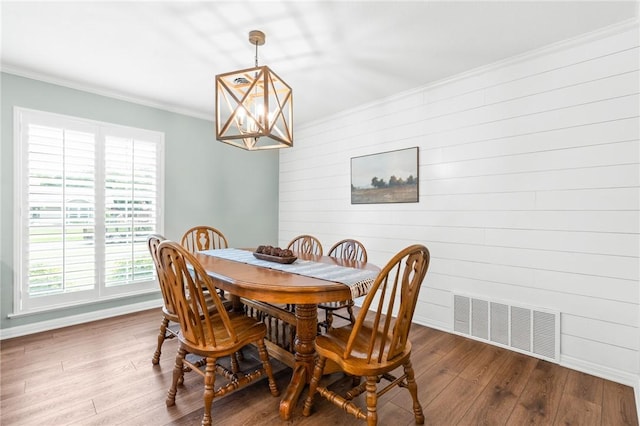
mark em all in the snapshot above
pixel 618 376
pixel 23 330
pixel 442 326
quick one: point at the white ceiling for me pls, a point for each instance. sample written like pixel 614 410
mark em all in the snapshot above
pixel 334 54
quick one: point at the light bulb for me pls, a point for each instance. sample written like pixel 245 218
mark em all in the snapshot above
pixel 240 115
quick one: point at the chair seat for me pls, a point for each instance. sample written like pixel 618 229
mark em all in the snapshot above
pixel 332 346
pixel 248 330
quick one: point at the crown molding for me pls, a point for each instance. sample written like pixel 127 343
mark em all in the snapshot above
pixel 33 75
pixel 608 31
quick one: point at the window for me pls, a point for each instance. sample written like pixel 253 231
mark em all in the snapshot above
pixel 87 196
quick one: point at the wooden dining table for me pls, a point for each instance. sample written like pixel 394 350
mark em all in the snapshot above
pixel 243 280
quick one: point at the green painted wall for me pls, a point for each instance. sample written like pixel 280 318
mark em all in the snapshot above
pixel 206 182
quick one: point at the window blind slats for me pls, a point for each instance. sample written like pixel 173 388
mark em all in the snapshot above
pixel 131 178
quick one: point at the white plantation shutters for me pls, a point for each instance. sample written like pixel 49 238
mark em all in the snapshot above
pixel 88 195
pixel 131 209
pixel 59 205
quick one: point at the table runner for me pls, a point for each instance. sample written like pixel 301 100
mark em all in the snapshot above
pixel 359 281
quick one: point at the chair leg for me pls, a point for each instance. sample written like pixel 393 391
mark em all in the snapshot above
pixel 266 364
pixel 240 355
pixel 209 381
pixel 372 401
pixel 177 376
pixel 329 318
pixel 323 324
pixel 413 390
pixel 355 381
pixel 235 365
pixel 352 317
pixel 161 337
pixel 313 385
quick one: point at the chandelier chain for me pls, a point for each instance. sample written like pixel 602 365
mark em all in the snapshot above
pixel 256 54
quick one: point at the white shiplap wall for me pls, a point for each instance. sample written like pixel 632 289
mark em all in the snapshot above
pixel 529 191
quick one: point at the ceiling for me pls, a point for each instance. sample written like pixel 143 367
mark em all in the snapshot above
pixel 334 54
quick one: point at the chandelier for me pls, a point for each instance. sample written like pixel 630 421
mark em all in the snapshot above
pixel 254 107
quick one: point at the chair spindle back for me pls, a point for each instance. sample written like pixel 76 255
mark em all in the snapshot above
pixel 186 278
pixel 307 244
pixel 203 238
pixel 349 249
pixel 400 278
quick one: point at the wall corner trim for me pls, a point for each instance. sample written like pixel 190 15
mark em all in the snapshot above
pixel 636 391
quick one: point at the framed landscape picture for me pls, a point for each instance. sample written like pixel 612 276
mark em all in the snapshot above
pixel 386 177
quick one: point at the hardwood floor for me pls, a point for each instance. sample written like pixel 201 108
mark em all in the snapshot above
pixel 101 374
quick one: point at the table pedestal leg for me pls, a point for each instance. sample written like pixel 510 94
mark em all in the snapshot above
pixel 306 329
pixel 236 303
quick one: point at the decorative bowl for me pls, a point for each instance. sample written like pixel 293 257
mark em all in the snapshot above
pixel 277 259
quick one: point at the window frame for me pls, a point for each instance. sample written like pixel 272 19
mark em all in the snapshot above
pixel 22 303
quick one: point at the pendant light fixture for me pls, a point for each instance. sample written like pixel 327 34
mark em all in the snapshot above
pixel 254 107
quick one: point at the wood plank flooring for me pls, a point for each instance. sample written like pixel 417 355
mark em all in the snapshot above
pixel 101 374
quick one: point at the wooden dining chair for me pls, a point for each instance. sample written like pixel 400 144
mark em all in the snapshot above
pixel 208 335
pixel 203 237
pixel 305 244
pixel 345 249
pixel 170 324
pixel 373 349
pixel 168 312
